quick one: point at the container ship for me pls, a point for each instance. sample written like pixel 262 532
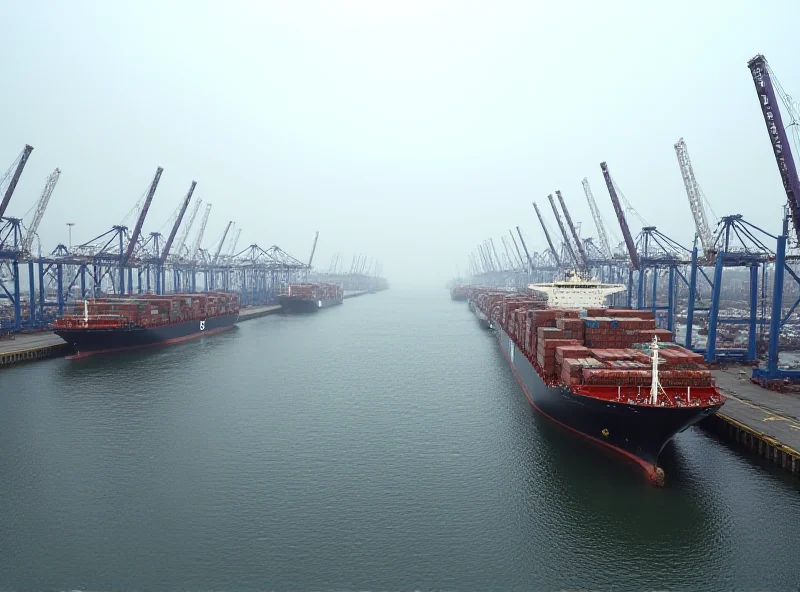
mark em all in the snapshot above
pixel 117 323
pixel 607 374
pixel 310 297
pixel 459 292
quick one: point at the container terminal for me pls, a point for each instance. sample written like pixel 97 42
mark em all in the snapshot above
pixel 37 289
pixel 126 267
pixel 729 301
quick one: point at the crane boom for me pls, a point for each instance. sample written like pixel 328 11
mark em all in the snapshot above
pixel 486 262
pixel 525 247
pixel 177 224
pixel 563 230
pixel 494 252
pixel 313 249
pixel 21 161
pixel 598 221
pixel 200 232
pixel 575 236
pixel 694 194
pixel 777 134
pixel 137 230
pixel 547 235
pixel 232 250
pixel 492 261
pixel 221 242
pixel 41 206
pixel 623 224
pixel 511 261
pixel 516 248
pixel 188 227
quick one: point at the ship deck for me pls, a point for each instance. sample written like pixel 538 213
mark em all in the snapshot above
pixel 759 419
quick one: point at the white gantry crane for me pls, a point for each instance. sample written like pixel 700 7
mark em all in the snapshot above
pixel 598 221
pixel 187 228
pixel 41 206
pixel 200 232
pixel 695 195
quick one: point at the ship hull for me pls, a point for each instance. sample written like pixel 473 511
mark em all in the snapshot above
pixel 637 432
pixel 86 342
pixel 292 304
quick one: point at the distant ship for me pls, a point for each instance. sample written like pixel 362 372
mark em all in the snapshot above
pixel 123 323
pixel 607 374
pixel 310 297
pixel 459 292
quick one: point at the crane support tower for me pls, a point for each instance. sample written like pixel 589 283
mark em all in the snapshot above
pixel 623 223
pixel 695 197
pixel 598 221
pixel 547 234
pixel 22 160
pixel 577 239
pixel 777 134
pixel 563 230
pixel 178 220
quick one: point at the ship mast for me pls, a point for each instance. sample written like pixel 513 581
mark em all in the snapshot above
pixel 654 383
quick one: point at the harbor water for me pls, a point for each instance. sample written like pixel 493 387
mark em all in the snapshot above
pixel 379 445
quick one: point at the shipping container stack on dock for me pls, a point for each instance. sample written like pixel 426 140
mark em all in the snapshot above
pixel 591 370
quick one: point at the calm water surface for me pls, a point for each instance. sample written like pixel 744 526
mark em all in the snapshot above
pixel 380 445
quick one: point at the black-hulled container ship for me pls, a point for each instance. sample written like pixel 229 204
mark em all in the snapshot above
pixel 607 374
pixel 114 324
pixel 310 297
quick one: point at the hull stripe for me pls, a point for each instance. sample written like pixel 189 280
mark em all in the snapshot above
pixel 165 342
pixel 649 468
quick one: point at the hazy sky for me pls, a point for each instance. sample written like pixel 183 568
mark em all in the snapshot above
pixel 409 131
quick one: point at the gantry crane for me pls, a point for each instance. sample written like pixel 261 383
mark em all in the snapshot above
pixel 525 247
pixel 221 242
pixel 313 249
pixel 547 235
pixel 598 221
pixel 137 230
pixel 497 258
pixel 567 242
pixel 178 220
pixel 623 223
pixel 695 195
pixel 511 262
pixel 20 163
pixel 583 260
pixel 234 242
pixel 198 240
pixel 187 228
pixel 41 206
pixel 767 98
pixel 516 248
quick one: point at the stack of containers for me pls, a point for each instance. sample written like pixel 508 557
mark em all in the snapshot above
pixel 566 366
pixel 548 339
